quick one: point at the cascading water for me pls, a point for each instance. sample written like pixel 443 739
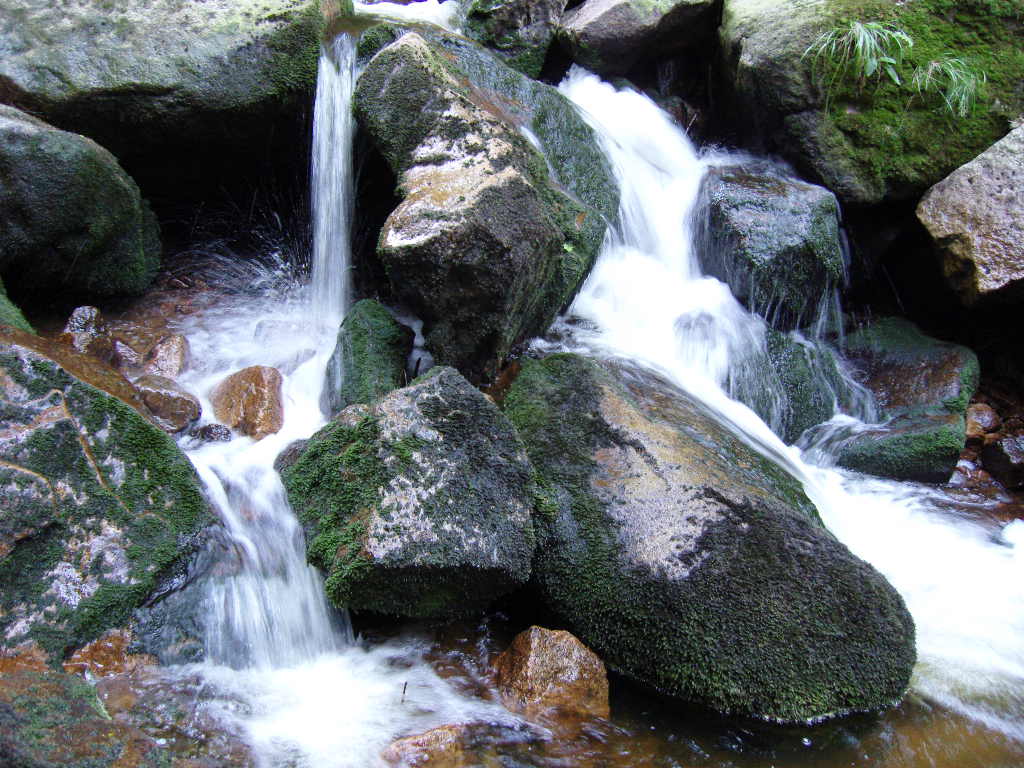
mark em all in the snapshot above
pixel 647 301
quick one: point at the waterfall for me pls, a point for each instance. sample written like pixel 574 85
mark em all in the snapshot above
pixel 647 300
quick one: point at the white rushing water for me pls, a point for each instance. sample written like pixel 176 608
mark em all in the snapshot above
pixel 646 300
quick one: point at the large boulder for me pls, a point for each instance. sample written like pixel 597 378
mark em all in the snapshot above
pixel 186 95
pixel 922 387
pixel 99 504
pixel 251 401
pixel 70 217
pixel 976 218
pixel 691 563
pixel 519 31
pixel 611 36
pixel 489 241
pixel 368 359
pixel 419 505
pixel 774 239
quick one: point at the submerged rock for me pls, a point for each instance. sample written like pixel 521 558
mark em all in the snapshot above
pixel 369 357
pixel 976 218
pixel 773 239
pixel 98 502
pixel 70 217
pixel 519 31
pixel 250 401
pixel 610 36
pixel 489 241
pixel 922 386
pixel 693 564
pixel 419 505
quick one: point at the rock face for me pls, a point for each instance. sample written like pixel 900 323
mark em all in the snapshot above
pixel 369 358
pixel 610 36
pixel 486 245
pixel 691 563
pixel 922 387
pixel 419 505
pixel 520 31
pixel 249 400
pixel 70 217
pixel 174 407
pixel 773 239
pixel 98 503
pixel 976 218
pixel 546 670
pixel 185 94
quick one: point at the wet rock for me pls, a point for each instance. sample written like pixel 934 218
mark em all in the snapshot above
pixel 489 241
pixel 1004 460
pixel 976 218
pixel 520 31
pixel 86 332
pixel 126 358
pixel 249 400
pixel 70 217
pixel 419 505
pixel 98 502
pixel 368 359
pixel 611 36
pixel 981 420
pixel 663 539
pixel 211 433
pixel 774 240
pixel 168 357
pixel 174 406
pixel 545 670
pixel 465 745
pixel 10 314
pixel 290 455
pixel 922 387
pixel 107 655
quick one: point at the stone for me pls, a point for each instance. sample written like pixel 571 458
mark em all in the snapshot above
pixel 545 670
pixel 975 217
pixel 104 241
pixel 368 359
pixel 126 358
pixel 1004 460
pixel 519 31
pixel 250 401
pixel 173 405
pixel 168 357
pixel 773 239
pixel 981 420
pixel 611 36
pixel 467 745
pixel 691 563
pixel 924 447
pixel 188 96
pixel 10 314
pixel 489 241
pixel 418 505
pixel 98 502
pixel 86 332
pixel 109 654
pixel 211 433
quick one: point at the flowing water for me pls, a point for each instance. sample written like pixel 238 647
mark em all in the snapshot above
pixel 287 673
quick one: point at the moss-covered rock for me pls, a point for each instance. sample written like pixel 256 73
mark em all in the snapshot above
pixel 691 563
pixel 70 217
pixel 419 505
pixel 490 241
pixel 368 359
pixel 10 314
pixel 774 239
pixel 520 31
pixel 98 503
pixel 922 386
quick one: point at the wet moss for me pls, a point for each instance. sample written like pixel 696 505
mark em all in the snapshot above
pixel 10 314
pixel 295 51
pixel 923 449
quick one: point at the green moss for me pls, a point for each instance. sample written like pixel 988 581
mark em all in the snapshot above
pixel 921 449
pixel 10 314
pixel 295 51
pixel 375 38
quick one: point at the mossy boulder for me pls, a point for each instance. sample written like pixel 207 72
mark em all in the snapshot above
pixel 99 504
pixel 922 387
pixel 519 31
pixel 70 217
pixel 691 563
pixel 368 359
pixel 489 241
pixel 418 505
pixel 10 314
pixel 611 36
pixel 187 95
pixel 774 239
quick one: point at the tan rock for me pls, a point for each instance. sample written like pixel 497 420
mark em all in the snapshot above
pixel 443 747
pixel 981 419
pixel 250 401
pixel 174 407
pixel 546 670
pixel 168 357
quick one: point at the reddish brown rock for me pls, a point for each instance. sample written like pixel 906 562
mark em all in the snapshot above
pixel 981 419
pixel 447 746
pixel 86 332
pixel 168 357
pixel 174 407
pixel 107 655
pixel 250 401
pixel 547 670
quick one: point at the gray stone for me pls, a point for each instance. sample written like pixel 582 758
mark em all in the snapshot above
pixel 520 31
